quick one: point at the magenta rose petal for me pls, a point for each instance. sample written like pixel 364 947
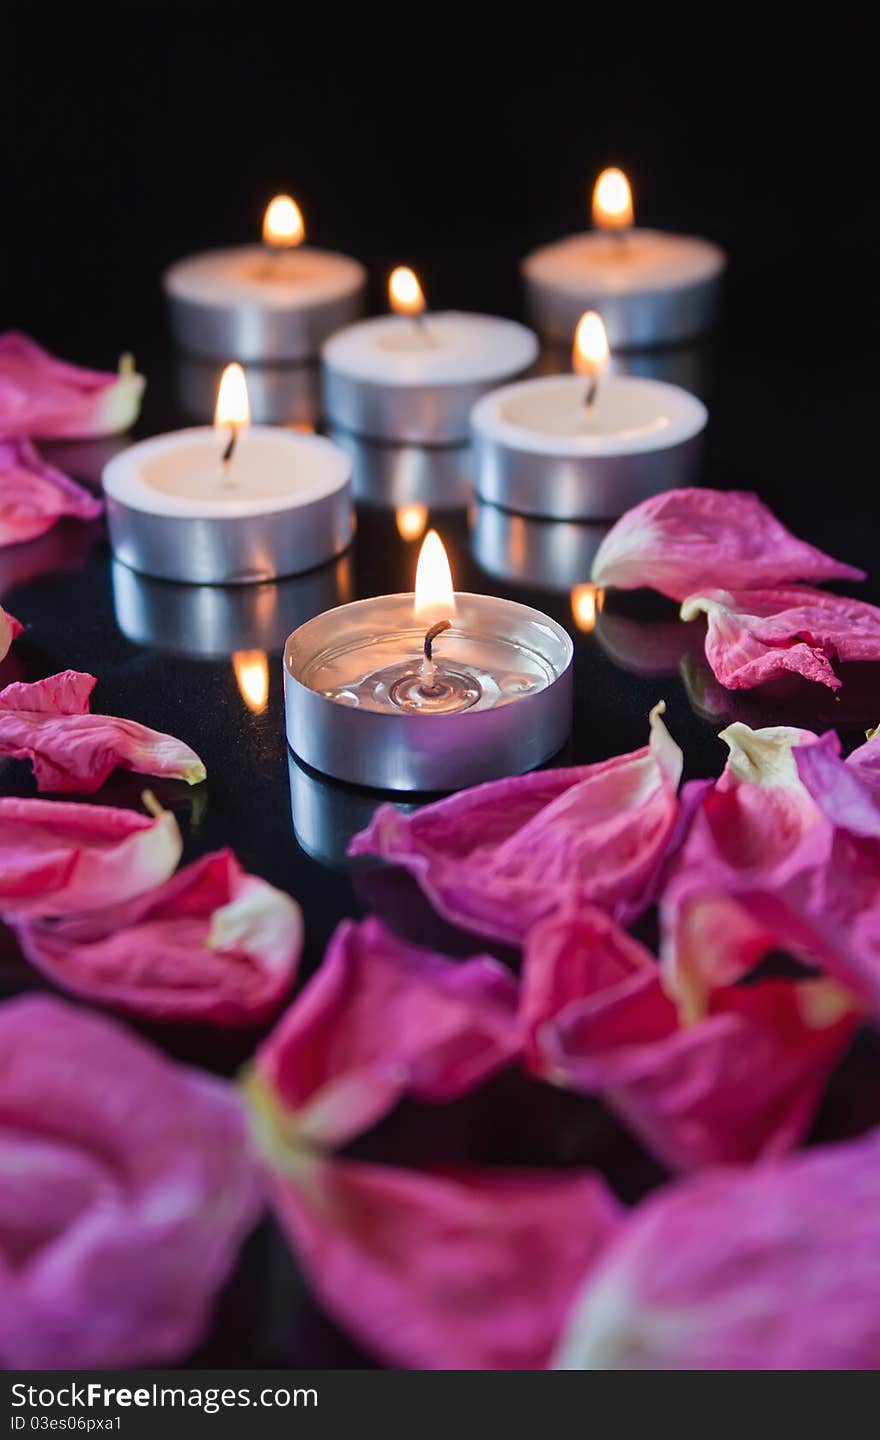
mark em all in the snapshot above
pixel 212 944
pixel 685 541
pixel 848 792
pixel 771 1268
pixel 379 1020
pixel 499 857
pixel 471 1270
pixel 47 399
pixel 127 1190
pixel 59 858
pixel 33 494
pixel 49 723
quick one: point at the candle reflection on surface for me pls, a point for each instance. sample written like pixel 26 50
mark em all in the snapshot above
pixel 251 668
pixel 411 520
pixel 586 602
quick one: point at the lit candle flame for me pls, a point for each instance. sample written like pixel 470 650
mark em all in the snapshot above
pixel 233 407
pixel 586 602
pixel 612 201
pixel 251 668
pixel 590 355
pixel 405 294
pixel 283 225
pixel 411 520
pixel 435 599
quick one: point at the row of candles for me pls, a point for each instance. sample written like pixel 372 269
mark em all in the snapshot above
pixel 437 690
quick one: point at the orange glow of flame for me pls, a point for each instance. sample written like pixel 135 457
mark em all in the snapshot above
pixel 590 354
pixel 405 294
pixel 411 521
pixel 283 225
pixel 233 407
pixel 612 201
pixel 251 669
pixel 586 602
pixel 435 599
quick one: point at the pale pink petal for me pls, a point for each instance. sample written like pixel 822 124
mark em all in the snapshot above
pixel 33 494
pixel 466 1271
pixel 847 792
pixel 127 1189
pixel 497 858
pixel 72 750
pixel 684 541
pixel 212 944
pixel 379 1020
pixel 46 398
pixel 59 858
pixel 772 1268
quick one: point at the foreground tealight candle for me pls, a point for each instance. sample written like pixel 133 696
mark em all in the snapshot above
pixel 432 691
pixel 272 302
pixel 650 287
pixel 413 375
pixel 231 504
pixel 586 446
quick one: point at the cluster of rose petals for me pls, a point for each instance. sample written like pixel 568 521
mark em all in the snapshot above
pixel 49 723
pixel 497 858
pixel 754 636
pixel 33 494
pixel 683 542
pixel 771 1268
pixel 9 628
pixel 379 1020
pixel 127 1190
pixel 212 944
pixel 46 398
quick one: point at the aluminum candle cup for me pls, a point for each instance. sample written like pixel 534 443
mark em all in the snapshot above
pixel 550 554
pixel 327 815
pixel 177 511
pixel 356 707
pixel 542 451
pixel 253 304
pixel 416 378
pixel 278 394
pixel 389 475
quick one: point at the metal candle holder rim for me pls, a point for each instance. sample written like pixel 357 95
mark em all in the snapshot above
pixel 335 358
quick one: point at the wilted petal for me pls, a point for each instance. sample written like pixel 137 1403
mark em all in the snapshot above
pixel 47 398
pixel 683 541
pixel 381 1019
pixel 848 792
pixel 72 750
pixel 60 858
pixel 773 1268
pixel 33 494
pixel 499 857
pixel 127 1189
pixel 212 944
pixel 867 761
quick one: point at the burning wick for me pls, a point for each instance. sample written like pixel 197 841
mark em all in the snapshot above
pixel 406 296
pixel 233 411
pixel 613 204
pixel 230 447
pixel 590 354
pixel 429 665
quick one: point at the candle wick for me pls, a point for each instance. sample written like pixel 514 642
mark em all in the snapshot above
pixel 592 391
pixel 429 668
pixel 230 447
pixel 422 327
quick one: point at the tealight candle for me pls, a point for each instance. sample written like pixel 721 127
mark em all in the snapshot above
pixel 586 446
pixel 413 375
pixel 231 504
pixel 272 302
pixel 650 287
pixel 432 691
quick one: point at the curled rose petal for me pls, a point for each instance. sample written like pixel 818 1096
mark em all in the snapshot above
pixel 9 628
pixel 741 1084
pixel 463 1271
pixel 867 761
pixel 848 792
pixel 683 541
pixel 772 1268
pixel 211 944
pixel 49 724
pixel 753 636
pixel 33 494
pixel 381 1019
pixel 48 398
pixel 127 1189
pixel 499 857
pixel 59 858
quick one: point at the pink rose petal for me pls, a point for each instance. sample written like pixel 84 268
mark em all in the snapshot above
pixel 59 858
pixel 72 750
pixel 867 761
pixel 33 494
pixel 47 398
pixel 497 858
pixel 684 541
pixel 9 628
pixel 773 1268
pixel 753 636
pixel 127 1189
pixel 379 1020
pixel 466 1271
pixel 848 792
pixel 741 1084
pixel 211 944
